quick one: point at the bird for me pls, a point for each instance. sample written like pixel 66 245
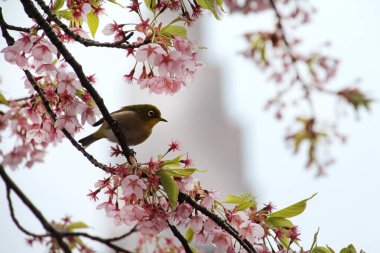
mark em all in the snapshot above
pixel 135 122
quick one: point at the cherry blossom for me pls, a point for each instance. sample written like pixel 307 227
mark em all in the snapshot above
pixel 133 186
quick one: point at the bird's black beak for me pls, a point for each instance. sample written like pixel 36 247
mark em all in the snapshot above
pixel 161 119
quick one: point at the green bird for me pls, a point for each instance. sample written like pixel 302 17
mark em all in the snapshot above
pixel 135 122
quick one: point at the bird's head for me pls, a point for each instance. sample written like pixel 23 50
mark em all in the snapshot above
pixel 149 114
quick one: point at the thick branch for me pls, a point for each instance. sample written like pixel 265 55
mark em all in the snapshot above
pixel 8 38
pixel 37 213
pixel 33 13
pixel 180 237
pixel 244 243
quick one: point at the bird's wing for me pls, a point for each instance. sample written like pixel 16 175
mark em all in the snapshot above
pixel 122 109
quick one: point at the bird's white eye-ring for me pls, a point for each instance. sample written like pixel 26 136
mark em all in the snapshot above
pixel 150 113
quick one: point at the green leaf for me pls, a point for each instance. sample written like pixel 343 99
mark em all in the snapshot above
pixel 193 249
pixel 209 5
pixel 115 2
pixel 279 222
pixel 179 172
pixel 320 250
pixel 3 100
pixel 189 235
pixel 243 201
pixel 292 210
pixel 151 5
pixel 285 242
pixel 175 162
pixel 76 225
pixel 66 14
pixel 58 4
pixel 174 30
pixel 178 19
pixel 331 250
pixel 93 22
pixel 349 249
pixel 170 187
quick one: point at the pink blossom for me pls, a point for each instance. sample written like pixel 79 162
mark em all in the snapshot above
pixel 12 55
pixel 133 185
pixel 15 157
pixel 68 122
pixel 89 115
pixel 160 84
pixel 167 63
pixel 186 184
pixel 236 219
pixel 80 32
pixel 110 28
pixel 221 239
pixel 35 156
pixel 182 45
pixel 196 223
pixel 47 69
pixel 24 44
pixel 209 200
pixel 38 136
pixel 43 52
pixel 31 112
pixel 68 82
pixel 149 52
pixel 131 214
pixel 251 231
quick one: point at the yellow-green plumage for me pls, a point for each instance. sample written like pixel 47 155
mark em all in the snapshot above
pixel 135 122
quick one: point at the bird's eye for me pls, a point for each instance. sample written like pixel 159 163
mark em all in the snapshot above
pixel 151 113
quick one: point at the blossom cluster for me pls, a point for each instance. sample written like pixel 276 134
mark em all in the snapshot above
pixel 147 196
pixel 166 65
pixel 28 118
pixel 168 70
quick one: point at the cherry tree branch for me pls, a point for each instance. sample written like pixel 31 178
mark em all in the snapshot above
pixel 133 230
pixel 288 48
pixel 13 216
pixel 180 237
pixel 37 213
pixel 97 239
pixel 33 13
pixel 221 223
pixel 123 44
pixel 10 41
pixel 54 233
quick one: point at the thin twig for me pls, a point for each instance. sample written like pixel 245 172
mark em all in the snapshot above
pixel 133 230
pixel 15 221
pixel 180 237
pixel 54 118
pixel 288 48
pixel 33 13
pixel 37 213
pixel 95 238
pixel 124 44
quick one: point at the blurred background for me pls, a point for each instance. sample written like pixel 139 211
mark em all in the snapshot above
pixel 219 119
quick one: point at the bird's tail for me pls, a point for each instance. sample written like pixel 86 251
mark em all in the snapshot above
pixel 88 140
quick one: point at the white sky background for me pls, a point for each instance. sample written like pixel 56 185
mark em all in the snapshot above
pixel 346 207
